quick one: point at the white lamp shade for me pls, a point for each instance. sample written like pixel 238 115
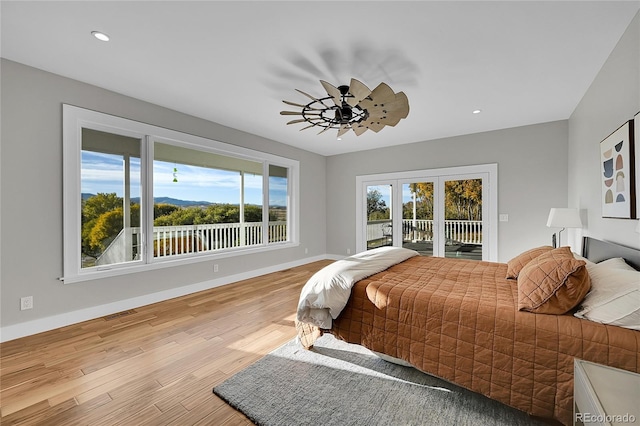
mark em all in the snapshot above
pixel 564 218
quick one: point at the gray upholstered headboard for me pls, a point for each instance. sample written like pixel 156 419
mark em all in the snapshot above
pixel 597 250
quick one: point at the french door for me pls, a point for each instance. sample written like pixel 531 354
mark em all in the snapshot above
pixel 442 212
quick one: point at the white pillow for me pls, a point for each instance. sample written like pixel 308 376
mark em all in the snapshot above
pixel 615 295
pixel 579 257
pixel 615 262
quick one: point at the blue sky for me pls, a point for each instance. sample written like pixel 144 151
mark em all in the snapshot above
pixel 386 193
pixel 105 173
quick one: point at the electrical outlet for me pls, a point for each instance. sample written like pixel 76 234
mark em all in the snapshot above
pixel 26 303
pixel 215 267
pixel 504 217
pixel 348 251
pixel 306 250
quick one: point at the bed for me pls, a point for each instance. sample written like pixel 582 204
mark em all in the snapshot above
pixel 460 320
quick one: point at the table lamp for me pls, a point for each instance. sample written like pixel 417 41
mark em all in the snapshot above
pixel 563 218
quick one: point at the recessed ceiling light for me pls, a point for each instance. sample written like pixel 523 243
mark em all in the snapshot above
pixel 477 111
pixel 100 36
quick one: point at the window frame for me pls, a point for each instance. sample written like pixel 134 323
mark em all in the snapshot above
pixel 488 172
pixel 76 118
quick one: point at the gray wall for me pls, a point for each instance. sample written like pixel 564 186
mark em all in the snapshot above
pixel 612 99
pixel 31 197
pixel 532 178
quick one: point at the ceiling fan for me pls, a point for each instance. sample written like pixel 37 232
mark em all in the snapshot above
pixel 353 107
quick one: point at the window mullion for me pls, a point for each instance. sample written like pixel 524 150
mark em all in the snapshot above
pixel 265 203
pixel 147 201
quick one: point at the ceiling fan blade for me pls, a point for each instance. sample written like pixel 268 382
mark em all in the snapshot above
pixel 324 130
pixel 299 120
pixel 332 91
pixel 391 120
pixel 381 95
pixel 386 111
pixel 308 127
pixel 391 112
pixel 298 113
pixel 382 91
pixel 359 129
pixel 307 119
pixel 343 129
pixel 400 105
pixel 359 92
pixel 294 104
pixel 302 106
pixel 375 126
pixel 308 96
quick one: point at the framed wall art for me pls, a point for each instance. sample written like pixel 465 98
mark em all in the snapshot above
pixel 616 173
pixel 636 152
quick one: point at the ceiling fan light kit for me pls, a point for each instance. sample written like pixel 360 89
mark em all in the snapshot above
pixel 353 107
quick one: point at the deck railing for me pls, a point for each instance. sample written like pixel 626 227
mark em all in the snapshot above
pixel 185 239
pixel 462 231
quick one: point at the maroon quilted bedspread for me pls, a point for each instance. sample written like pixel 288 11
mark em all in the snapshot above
pixel 458 320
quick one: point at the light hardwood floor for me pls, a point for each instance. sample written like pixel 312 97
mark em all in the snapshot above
pixel 156 366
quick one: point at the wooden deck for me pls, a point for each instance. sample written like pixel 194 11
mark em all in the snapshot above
pixel 154 366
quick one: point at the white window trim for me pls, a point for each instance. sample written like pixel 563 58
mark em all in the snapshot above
pixel 490 193
pixel 75 119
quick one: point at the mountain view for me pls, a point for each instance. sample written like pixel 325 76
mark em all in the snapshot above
pixel 161 200
pixel 168 200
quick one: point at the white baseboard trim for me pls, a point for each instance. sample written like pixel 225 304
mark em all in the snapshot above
pixel 334 257
pixel 29 328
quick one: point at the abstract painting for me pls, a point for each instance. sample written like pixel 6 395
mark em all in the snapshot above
pixel 636 137
pixel 616 174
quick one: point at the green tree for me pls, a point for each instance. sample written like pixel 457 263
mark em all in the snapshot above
pixel 253 213
pixel 162 209
pixel 92 209
pixel 106 227
pixel 214 213
pixel 424 201
pixel 181 216
pixel 463 199
pixel 376 207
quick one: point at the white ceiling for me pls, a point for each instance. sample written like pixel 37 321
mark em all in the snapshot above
pixel 234 62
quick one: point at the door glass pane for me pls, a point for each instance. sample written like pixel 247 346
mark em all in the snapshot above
pixel 379 216
pixel 110 187
pixel 204 202
pixel 417 217
pixel 463 218
pixel 278 203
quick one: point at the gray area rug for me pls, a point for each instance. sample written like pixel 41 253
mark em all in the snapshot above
pixel 338 383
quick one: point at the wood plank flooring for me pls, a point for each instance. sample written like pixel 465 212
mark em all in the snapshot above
pixel 156 366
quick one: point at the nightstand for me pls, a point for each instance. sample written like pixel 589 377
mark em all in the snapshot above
pixel 604 395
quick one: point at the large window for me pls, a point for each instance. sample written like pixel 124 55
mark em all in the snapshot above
pixel 137 196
